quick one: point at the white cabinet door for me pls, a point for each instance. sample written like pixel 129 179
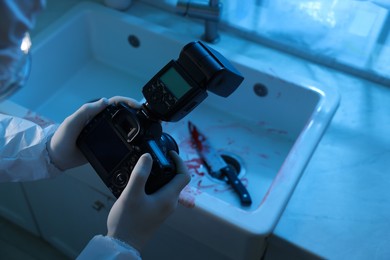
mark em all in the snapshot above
pixel 68 212
pixel 15 208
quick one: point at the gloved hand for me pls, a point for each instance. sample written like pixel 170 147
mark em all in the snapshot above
pixel 62 147
pixel 135 216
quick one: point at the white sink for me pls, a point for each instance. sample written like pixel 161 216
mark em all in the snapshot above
pixel 86 55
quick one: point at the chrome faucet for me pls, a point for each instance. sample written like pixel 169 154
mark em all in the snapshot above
pixel 210 11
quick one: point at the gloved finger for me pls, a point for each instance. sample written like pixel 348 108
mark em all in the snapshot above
pixel 77 121
pixel 130 101
pixel 182 178
pixel 139 176
pixel 181 168
pixel 187 198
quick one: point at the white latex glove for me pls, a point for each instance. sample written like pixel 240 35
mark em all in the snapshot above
pixel 62 147
pixel 135 216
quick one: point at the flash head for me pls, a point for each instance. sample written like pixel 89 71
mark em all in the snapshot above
pixel 209 69
pixel 182 84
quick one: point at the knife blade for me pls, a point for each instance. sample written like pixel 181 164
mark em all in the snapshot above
pixel 216 164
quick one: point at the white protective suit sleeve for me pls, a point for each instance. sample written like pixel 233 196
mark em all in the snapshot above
pixel 17 17
pixel 108 248
pixel 24 157
pixel 23 153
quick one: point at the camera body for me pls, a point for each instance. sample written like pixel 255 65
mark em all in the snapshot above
pixel 114 140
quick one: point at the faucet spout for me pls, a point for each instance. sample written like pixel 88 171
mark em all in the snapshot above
pixel 209 11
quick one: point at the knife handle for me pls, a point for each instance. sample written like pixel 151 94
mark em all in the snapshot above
pixel 237 185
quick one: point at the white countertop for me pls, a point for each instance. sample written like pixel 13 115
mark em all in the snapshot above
pixel 341 207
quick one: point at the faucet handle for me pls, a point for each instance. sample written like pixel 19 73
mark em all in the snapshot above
pixel 207 10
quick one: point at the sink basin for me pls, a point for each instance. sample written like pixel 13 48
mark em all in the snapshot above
pixel 268 129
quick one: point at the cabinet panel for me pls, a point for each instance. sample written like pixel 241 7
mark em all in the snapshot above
pixel 68 212
pixel 88 176
pixel 15 208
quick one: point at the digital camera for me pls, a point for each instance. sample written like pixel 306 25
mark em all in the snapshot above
pixel 114 140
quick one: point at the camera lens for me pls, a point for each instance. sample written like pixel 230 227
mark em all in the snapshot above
pixel 121 178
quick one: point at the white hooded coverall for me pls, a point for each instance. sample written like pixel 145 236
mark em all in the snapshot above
pixel 23 157
pixel 23 153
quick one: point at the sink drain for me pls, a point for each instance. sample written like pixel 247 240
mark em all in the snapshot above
pixel 234 162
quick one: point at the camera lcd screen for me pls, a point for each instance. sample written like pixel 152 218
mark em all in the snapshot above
pixel 175 82
pixel 107 147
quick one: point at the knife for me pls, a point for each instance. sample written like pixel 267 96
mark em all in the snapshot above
pixel 216 164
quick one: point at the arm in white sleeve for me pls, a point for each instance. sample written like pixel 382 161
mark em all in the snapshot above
pixel 108 248
pixel 23 153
